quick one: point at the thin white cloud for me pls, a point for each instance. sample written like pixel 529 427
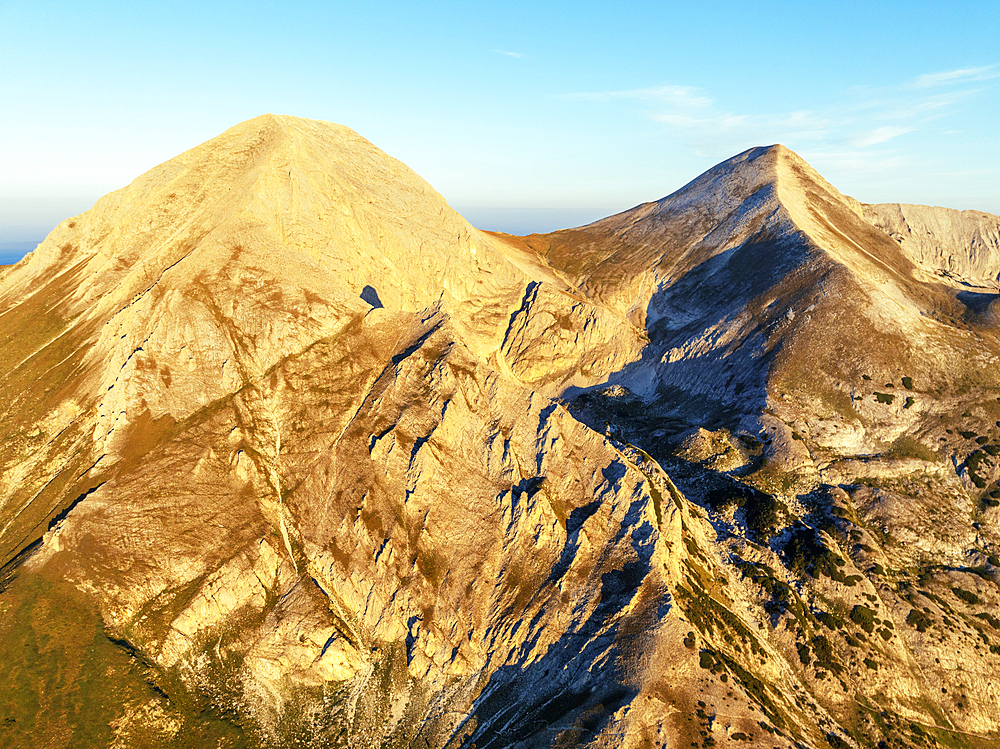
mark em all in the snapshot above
pixel 683 97
pixel 894 106
pixel 856 162
pixel 769 128
pixel 516 55
pixel 962 75
pixel 681 120
pixel 879 135
pixel 862 120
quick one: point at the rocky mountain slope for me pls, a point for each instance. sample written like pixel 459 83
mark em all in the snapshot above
pixel 295 456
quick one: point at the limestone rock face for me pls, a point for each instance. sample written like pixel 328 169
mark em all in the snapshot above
pixel 295 456
pixel 961 247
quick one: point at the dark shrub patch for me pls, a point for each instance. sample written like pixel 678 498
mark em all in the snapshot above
pixel 972 464
pixel 825 657
pixel 966 595
pixel 864 617
pixel 760 509
pixel 761 514
pixel 726 497
pixel 836 742
pixel 919 620
pixel 829 620
pixel 805 656
pixel 806 553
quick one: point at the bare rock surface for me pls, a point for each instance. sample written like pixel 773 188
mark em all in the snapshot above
pixel 961 247
pixel 295 456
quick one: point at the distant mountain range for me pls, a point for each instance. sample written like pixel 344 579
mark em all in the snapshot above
pixel 295 456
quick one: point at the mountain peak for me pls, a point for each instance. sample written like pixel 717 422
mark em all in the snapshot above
pixel 748 170
pixel 277 128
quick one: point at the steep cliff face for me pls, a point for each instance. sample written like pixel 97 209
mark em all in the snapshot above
pixel 294 456
pixel 960 247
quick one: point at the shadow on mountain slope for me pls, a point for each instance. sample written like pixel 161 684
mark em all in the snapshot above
pixel 572 692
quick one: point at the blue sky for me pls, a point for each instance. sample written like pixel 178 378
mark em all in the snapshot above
pixel 526 116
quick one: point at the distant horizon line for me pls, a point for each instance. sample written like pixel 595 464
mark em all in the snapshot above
pixel 515 221
pixel 14 252
pixel 519 221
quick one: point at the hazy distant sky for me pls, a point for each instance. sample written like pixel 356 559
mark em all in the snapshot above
pixel 526 116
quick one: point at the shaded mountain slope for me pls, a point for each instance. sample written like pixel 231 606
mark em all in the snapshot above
pixel 757 283
pixel 799 350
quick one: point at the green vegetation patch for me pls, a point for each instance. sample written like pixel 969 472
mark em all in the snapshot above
pixel 906 446
pixel 761 511
pixel 972 464
pixel 762 514
pixel 919 620
pixel 966 595
pixel 864 617
pixel 829 620
pixel 886 398
pixel 825 657
pixel 783 596
pixel 64 683
pixel 989 618
pixel 805 654
pixel 756 689
pixel 806 553
pixel 711 617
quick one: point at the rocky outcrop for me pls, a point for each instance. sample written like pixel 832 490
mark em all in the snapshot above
pixel 961 248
